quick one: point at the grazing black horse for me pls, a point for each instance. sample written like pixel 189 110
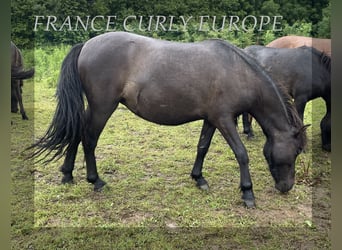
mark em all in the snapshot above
pixel 304 72
pixel 18 74
pixel 170 83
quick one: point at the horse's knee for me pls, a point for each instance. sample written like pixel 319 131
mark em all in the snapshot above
pixel 202 150
pixel 242 158
pixel 88 143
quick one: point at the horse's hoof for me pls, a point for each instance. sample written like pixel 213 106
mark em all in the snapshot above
pixel 204 187
pixel 327 147
pixel 98 185
pixel 202 184
pixel 249 203
pixel 25 117
pixel 67 180
pixel 250 136
pixel 248 198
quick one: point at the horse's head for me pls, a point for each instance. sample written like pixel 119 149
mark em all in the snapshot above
pixel 281 153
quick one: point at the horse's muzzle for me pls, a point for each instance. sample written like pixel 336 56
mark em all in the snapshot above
pixel 283 186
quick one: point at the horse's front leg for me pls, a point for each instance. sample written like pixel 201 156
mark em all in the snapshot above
pixel 247 125
pixel 300 103
pixel 229 132
pixel 202 149
pixel 326 126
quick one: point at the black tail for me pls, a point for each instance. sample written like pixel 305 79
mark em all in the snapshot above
pixel 18 74
pixel 66 124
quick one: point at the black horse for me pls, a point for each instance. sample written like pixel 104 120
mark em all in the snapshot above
pixel 304 72
pixel 170 83
pixel 18 74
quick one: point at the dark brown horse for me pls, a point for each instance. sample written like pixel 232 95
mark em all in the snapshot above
pixel 304 73
pixel 18 74
pixel 171 83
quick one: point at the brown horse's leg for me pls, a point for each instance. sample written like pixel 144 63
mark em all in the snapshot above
pixel 202 149
pixel 95 120
pixel 20 99
pixel 14 100
pixel 227 128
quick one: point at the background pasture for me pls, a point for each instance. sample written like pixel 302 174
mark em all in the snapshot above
pixel 150 200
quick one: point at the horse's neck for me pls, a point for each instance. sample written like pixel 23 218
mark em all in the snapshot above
pixel 271 114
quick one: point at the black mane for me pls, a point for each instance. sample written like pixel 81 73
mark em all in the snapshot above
pixel 291 113
pixel 325 59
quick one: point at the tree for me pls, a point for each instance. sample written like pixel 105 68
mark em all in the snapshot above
pixel 323 26
pixel 298 15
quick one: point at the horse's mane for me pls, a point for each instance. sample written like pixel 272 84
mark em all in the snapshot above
pixel 325 59
pixel 285 99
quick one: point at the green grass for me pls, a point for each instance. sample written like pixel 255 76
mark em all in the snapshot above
pixel 150 201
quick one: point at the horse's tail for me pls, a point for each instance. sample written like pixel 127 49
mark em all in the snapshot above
pixel 18 74
pixel 66 125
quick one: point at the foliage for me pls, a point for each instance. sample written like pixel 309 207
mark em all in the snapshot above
pixel 48 61
pixel 323 26
pixel 298 28
pixel 295 15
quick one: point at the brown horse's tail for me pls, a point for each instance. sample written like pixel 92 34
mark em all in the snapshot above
pixel 66 124
pixel 18 74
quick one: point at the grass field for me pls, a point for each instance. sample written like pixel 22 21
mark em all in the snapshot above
pixel 150 201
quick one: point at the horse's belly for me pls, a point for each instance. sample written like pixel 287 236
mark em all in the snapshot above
pixel 161 106
pixel 165 116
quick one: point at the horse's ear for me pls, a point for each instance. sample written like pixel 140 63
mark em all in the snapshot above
pixel 302 130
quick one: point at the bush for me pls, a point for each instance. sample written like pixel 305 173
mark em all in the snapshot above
pixel 48 61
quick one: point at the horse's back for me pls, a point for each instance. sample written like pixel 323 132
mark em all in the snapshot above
pixel 291 41
pixel 299 70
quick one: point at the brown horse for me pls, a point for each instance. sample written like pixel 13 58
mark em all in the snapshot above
pixel 18 74
pixel 321 44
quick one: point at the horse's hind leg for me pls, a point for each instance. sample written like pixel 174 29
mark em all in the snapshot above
pixel 202 149
pixel 96 118
pixel 14 99
pixel 20 100
pixel 69 162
